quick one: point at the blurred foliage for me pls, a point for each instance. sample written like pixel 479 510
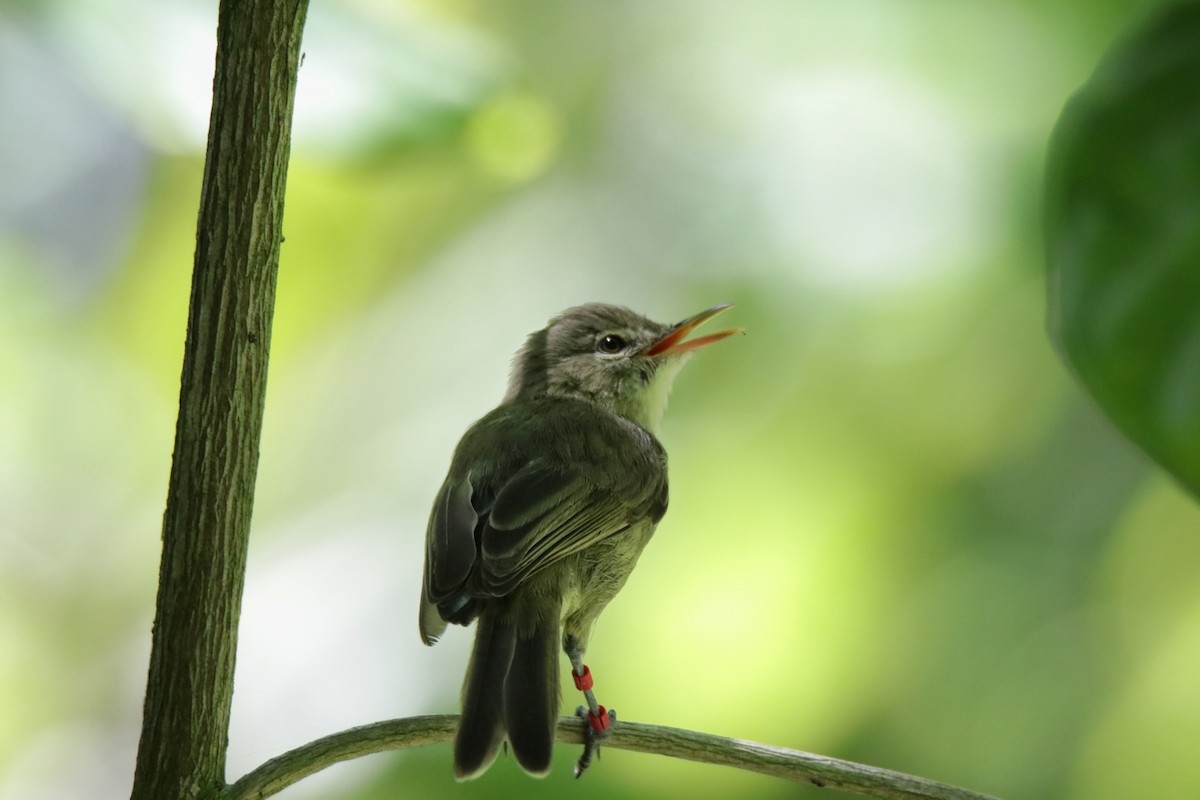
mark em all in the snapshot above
pixel 898 532
pixel 1123 231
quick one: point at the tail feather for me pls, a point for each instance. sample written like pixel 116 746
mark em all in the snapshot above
pixel 531 696
pixel 481 730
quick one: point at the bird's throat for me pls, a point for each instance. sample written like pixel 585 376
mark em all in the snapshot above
pixel 646 407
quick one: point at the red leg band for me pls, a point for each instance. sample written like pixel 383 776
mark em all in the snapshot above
pixel 600 722
pixel 583 682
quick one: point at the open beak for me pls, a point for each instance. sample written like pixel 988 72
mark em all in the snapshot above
pixel 673 344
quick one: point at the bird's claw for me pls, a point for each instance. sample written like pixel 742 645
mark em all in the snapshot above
pixel 597 728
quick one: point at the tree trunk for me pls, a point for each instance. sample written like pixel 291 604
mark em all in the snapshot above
pixel 207 522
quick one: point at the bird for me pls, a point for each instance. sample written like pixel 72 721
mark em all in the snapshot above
pixel 546 507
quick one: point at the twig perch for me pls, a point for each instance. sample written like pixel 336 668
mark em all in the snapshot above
pixel 397 734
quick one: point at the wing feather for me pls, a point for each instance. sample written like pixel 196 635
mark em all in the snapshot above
pixel 450 542
pixel 571 516
pixel 511 507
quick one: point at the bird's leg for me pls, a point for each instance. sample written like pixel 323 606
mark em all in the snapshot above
pixel 599 719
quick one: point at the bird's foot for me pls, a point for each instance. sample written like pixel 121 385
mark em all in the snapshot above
pixel 598 727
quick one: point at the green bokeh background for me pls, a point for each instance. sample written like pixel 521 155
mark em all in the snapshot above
pixel 899 533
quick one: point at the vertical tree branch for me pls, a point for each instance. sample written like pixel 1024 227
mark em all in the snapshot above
pixel 211 492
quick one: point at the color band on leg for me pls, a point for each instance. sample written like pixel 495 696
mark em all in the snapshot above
pixel 600 722
pixel 583 682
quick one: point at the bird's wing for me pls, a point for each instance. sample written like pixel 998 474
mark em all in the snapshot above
pixel 450 553
pixel 450 540
pixel 544 514
pixel 539 516
pixel 510 511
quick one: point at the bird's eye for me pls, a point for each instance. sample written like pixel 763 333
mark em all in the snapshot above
pixel 610 344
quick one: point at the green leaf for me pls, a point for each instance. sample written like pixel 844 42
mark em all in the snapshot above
pixel 1122 223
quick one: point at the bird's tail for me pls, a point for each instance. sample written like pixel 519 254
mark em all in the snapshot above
pixel 511 689
pixel 531 695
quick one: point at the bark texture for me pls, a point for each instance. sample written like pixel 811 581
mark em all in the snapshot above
pixel 210 497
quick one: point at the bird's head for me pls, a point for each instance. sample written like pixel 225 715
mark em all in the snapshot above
pixel 610 356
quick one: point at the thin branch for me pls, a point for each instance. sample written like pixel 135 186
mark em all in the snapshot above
pixel 282 771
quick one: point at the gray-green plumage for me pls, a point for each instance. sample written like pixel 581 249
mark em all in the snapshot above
pixel 548 503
